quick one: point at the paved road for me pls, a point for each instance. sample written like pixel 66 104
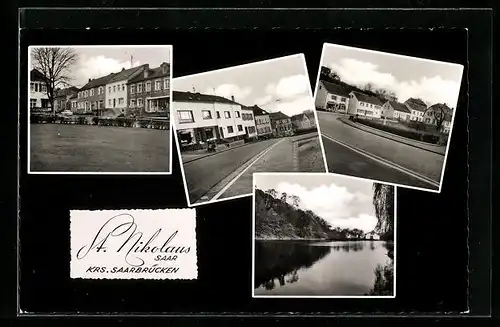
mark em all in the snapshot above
pixel 354 152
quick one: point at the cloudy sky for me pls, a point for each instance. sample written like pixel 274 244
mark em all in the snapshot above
pixel 94 62
pixel 432 81
pixel 275 85
pixel 344 202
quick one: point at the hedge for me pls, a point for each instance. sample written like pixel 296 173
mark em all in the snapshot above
pixel 424 137
pixel 88 120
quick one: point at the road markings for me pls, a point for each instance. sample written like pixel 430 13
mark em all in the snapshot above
pixel 228 185
pixel 384 161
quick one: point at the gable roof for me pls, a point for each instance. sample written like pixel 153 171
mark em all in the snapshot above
pixel 416 104
pixel 278 115
pixel 398 106
pixel 367 98
pixel 125 74
pixel 97 82
pixel 307 114
pixel 336 89
pixel 36 75
pixel 181 96
pixel 257 111
pixel 152 74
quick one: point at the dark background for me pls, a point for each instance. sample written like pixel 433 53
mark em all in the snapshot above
pixel 432 247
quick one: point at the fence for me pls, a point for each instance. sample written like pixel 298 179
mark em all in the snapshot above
pixel 99 121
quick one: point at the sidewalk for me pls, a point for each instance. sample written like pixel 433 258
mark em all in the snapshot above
pixel 202 153
pixel 438 149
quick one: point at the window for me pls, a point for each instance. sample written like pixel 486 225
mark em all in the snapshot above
pixel 343 99
pixel 361 104
pixel 132 103
pixel 139 88
pixel 240 128
pixel 123 87
pixel 230 129
pixel 114 88
pixel 333 97
pixel 139 102
pixel 109 89
pixel 86 93
pixel 132 89
pixel 148 86
pixel 109 102
pixel 217 114
pixel 227 115
pixel 185 116
pixel 101 104
pixel 206 114
pixel 237 113
pixel 157 85
pixel 166 83
pixel 120 101
pixel 32 103
pixel 251 130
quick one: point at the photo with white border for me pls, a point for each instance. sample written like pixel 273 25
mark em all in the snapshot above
pixel 232 122
pixel 386 117
pixel 99 109
pixel 323 235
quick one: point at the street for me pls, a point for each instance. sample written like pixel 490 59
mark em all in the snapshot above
pixel 351 151
pixel 229 173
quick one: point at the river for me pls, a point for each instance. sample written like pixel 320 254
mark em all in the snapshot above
pixel 317 268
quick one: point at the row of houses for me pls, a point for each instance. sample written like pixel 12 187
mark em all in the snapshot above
pixel 338 98
pixel 136 91
pixel 203 117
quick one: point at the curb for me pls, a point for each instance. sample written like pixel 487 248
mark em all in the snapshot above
pixel 212 154
pixel 389 137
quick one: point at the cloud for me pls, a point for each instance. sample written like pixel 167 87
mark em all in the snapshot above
pixel 432 89
pixel 228 90
pixel 336 204
pixel 98 66
pixel 288 86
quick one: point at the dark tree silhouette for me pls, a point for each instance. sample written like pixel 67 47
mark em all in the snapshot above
pixel 54 63
pixel 383 201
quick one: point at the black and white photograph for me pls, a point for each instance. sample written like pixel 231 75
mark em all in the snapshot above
pixel 99 109
pixel 233 122
pixel 323 235
pixel 386 117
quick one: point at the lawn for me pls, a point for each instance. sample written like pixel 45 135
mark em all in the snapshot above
pixel 86 148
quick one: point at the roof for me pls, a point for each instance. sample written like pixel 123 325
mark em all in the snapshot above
pixel 153 73
pixel 181 96
pixel 308 113
pixel 36 75
pixel 336 89
pixel 97 82
pixel 125 74
pixel 367 98
pixel 398 106
pixel 67 91
pixel 257 111
pixel 448 111
pixel 278 115
pixel 416 104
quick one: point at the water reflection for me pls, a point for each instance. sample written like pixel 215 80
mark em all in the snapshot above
pixel 315 268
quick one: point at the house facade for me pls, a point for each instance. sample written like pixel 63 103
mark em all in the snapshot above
pixel 116 98
pixel 303 121
pixel 199 118
pixel 435 113
pixel 39 100
pixel 63 98
pixel 417 109
pixel 332 97
pixel 149 92
pixel 395 110
pixel 364 105
pixel 372 236
pixel 91 97
pixel 281 124
pixel 262 122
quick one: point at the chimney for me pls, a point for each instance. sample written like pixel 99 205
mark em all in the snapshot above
pixel 90 79
pixel 232 98
pixel 146 70
pixel 123 68
pixel 164 68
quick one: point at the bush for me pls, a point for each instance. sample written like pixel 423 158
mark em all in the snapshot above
pixel 415 135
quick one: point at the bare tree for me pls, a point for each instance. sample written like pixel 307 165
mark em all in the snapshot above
pixel 54 64
pixel 441 112
pixel 387 95
pixel 368 87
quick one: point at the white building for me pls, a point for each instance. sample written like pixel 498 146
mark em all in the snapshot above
pixel 332 97
pixel 116 89
pixel 417 109
pixel 199 118
pixel 364 105
pixel 395 110
pixel 39 99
